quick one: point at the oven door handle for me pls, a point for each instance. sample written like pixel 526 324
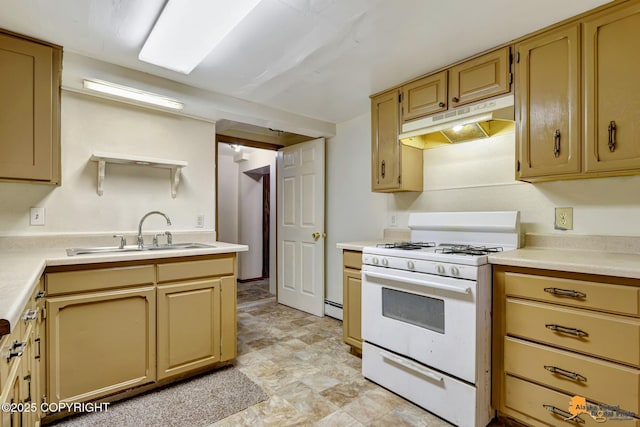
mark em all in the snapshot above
pixel 412 366
pixel 418 282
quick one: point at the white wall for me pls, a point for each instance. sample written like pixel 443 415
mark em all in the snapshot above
pixel 250 214
pixel 479 175
pixel 353 211
pixel 92 124
pixel 227 199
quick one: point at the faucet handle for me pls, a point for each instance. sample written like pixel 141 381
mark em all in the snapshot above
pixel 123 240
pixel 166 233
pixel 169 237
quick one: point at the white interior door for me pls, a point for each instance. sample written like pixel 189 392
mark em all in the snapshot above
pixel 301 226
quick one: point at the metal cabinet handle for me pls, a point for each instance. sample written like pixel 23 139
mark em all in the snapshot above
pixel 564 414
pixel 565 292
pixel 556 143
pixel 455 99
pixel 17 349
pixel 612 136
pixel 383 169
pixel 574 376
pixel 441 104
pixel 571 331
pixel 30 315
pixel 40 294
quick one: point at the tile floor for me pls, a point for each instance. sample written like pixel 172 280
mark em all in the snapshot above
pixel 302 364
pixel 256 290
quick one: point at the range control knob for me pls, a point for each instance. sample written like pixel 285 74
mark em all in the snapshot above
pixel 374 260
pixel 385 262
pixel 411 265
pixel 455 271
pixel 440 269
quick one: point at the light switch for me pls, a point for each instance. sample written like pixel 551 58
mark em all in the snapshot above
pixel 36 216
pixel 564 219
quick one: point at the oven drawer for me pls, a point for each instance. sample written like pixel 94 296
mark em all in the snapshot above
pixel 447 397
pixel 597 334
pixel 577 293
pixel 575 374
pixel 537 402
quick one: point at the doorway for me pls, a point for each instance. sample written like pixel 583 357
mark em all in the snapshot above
pixel 245 205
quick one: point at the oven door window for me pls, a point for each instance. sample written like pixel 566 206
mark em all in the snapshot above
pixel 418 310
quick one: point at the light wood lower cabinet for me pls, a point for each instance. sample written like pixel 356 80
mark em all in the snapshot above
pixel 117 327
pixel 559 335
pixel 100 343
pixel 21 369
pixel 352 300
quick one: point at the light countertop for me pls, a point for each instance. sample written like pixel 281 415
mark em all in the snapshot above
pixel 20 270
pixel 606 255
pixel 358 246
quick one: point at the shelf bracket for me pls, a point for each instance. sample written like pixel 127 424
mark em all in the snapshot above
pixel 101 168
pixel 176 174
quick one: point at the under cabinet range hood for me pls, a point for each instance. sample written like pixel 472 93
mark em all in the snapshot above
pixel 465 123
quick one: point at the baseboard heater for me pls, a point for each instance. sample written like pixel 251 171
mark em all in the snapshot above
pixel 333 309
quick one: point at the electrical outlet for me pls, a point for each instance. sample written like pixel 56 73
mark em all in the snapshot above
pixel 393 220
pixel 36 216
pixel 200 221
pixel 564 219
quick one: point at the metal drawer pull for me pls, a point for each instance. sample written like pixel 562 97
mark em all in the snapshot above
pixel 16 350
pixel 412 366
pixel 574 376
pixel 30 315
pixel 418 282
pixel 565 292
pixel 571 331
pixel 566 415
pixel 383 169
pixel 556 143
pixel 612 136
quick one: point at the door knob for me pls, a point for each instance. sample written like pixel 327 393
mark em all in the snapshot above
pixel 315 235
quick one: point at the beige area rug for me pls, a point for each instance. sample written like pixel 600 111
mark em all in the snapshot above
pixel 199 401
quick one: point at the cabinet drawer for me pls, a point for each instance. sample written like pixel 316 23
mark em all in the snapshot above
pixel 603 337
pixel 352 259
pixel 596 379
pixel 223 266
pixel 577 293
pixel 533 400
pixel 91 280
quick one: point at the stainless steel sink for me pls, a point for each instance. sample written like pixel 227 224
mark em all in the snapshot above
pixel 135 248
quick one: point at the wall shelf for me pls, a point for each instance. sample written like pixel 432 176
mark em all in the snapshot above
pixel 175 166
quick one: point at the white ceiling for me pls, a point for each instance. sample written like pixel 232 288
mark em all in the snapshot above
pixel 316 58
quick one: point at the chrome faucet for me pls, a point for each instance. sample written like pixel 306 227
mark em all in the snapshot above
pixel 140 239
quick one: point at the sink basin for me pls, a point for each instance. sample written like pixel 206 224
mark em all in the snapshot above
pixel 135 248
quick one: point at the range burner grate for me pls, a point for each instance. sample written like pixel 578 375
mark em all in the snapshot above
pixel 407 245
pixel 467 250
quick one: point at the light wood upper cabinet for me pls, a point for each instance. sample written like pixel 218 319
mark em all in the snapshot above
pixel 394 166
pixel 548 104
pixel 425 96
pixel 612 90
pixel 479 78
pixel 30 116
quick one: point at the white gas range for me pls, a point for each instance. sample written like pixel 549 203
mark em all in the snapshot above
pixel 426 312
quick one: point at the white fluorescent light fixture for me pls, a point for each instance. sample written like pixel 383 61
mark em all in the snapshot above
pixel 132 94
pixel 188 30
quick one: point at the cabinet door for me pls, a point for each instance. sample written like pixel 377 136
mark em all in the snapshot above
pixel 548 102
pixel 26 116
pixel 425 96
pixel 479 78
pixel 100 343
pixel 612 90
pixel 11 394
pixel 385 146
pixel 188 326
pixel 352 307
